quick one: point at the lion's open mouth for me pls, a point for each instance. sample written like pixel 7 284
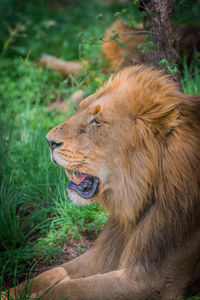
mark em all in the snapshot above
pixel 83 184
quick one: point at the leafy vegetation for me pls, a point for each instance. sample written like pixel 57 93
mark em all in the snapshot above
pixel 36 218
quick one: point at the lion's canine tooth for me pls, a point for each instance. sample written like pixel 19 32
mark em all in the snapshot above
pixel 76 179
pixel 69 175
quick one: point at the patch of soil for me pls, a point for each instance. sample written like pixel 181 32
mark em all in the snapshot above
pixel 58 104
pixel 70 250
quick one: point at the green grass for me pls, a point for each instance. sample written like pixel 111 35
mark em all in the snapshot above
pixel 191 76
pixel 36 218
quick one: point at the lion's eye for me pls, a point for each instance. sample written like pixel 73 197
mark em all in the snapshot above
pixel 94 121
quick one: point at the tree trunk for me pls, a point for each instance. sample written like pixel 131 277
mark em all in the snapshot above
pixel 159 14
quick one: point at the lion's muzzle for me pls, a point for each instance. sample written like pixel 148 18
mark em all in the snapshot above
pixel 86 187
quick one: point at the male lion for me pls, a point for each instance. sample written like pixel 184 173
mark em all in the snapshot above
pixel 134 147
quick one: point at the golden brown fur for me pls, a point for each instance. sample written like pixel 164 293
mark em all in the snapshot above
pixel 146 153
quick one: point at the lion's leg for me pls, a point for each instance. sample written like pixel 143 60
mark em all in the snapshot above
pixel 115 285
pixel 82 266
pixel 42 281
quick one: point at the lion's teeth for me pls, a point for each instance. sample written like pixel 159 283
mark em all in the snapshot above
pixel 76 179
pixel 69 175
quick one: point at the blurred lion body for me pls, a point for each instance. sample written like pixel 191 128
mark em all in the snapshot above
pixel 122 47
pixel 144 147
pixel 120 56
pixel 186 38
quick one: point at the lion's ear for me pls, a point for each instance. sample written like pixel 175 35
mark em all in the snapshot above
pixel 166 121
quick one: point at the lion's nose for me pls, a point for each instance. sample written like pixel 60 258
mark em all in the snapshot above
pixel 52 144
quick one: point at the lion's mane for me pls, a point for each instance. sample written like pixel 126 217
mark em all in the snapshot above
pixel 155 200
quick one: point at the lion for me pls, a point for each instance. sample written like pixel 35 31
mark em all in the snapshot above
pixel 129 54
pixel 133 146
pixel 124 46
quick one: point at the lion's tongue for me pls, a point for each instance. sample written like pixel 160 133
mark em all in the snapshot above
pixel 78 178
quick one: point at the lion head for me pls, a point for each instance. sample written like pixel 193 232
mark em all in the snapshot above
pixel 124 139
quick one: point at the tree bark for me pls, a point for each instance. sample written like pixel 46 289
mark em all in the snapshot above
pixel 159 14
